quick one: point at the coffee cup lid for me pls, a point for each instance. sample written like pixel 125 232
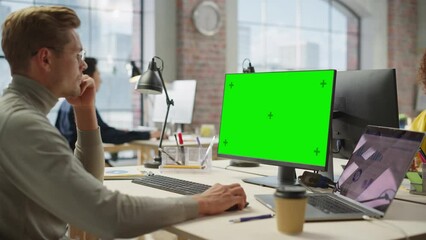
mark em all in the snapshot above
pixel 288 191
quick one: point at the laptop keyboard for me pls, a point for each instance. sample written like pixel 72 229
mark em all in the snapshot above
pixel 328 204
pixel 170 184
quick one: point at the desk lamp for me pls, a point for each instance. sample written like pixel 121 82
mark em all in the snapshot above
pixel 241 163
pixel 151 82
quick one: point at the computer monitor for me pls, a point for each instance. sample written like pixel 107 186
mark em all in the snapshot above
pixel 278 118
pixel 183 94
pixel 361 98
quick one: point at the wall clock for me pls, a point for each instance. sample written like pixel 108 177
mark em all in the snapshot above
pixel 206 18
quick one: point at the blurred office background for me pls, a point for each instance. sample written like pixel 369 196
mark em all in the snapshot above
pixel 274 34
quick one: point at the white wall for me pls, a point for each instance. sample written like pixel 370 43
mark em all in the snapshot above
pixel 165 18
pixel 231 36
pixel 160 37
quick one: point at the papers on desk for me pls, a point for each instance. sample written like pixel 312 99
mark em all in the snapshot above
pixel 112 173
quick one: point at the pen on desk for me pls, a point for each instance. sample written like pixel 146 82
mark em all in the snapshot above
pixel 183 166
pixel 180 137
pixel 208 151
pixel 177 143
pixel 246 219
pixel 422 155
pixel 182 149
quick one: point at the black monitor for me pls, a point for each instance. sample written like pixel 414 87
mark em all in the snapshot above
pixel 278 118
pixel 362 97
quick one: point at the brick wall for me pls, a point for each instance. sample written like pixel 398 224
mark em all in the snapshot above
pixel 353 44
pixel 402 51
pixel 202 58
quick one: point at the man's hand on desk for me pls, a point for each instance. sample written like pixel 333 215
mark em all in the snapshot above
pixel 219 198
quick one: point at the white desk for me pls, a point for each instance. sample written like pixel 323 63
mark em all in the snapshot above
pixel 408 216
pixel 405 195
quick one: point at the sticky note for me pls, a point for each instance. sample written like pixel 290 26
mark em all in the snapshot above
pixel 415 180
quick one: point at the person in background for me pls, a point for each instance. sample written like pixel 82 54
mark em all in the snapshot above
pixel 65 121
pixel 419 123
pixel 43 185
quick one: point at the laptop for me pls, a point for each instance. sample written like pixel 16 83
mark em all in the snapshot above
pixel 370 180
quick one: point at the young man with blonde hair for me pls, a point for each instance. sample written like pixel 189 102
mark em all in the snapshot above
pixel 43 186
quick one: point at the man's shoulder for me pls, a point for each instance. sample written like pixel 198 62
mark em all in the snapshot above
pixel 13 109
pixel 22 123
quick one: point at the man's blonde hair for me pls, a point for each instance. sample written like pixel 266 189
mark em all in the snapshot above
pixel 27 30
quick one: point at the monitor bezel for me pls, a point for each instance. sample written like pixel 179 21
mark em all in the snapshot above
pixel 286 165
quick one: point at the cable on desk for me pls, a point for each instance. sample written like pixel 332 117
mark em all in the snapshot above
pixel 338 146
pixel 236 170
pixel 393 226
pixel 410 201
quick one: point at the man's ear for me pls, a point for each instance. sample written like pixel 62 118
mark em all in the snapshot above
pixel 44 58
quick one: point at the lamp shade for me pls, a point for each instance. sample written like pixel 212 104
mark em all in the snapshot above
pixel 150 81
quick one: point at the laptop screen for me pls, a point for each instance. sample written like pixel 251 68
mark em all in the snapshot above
pixel 378 165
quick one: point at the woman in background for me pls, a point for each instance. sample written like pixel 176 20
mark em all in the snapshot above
pixel 419 123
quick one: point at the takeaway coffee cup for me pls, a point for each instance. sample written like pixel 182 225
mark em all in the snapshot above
pixel 290 205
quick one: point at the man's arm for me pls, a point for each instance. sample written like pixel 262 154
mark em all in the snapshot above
pixel 89 145
pixel 84 105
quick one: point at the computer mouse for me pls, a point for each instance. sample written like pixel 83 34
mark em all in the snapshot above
pixel 235 207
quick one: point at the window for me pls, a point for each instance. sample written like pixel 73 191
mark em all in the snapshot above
pixel 111 32
pixel 298 34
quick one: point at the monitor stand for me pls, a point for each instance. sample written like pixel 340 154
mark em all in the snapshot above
pixel 286 176
pixel 240 163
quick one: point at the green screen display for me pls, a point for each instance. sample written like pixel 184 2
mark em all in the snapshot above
pixel 279 118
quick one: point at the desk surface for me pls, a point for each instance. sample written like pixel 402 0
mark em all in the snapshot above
pixel 268 170
pixel 409 217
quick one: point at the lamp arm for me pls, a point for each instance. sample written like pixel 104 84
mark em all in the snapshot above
pixel 163 129
pixel 169 102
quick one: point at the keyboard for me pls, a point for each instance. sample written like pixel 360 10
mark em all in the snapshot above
pixel 170 184
pixel 328 204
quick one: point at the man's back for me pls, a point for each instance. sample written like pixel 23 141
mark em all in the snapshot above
pixel 20 118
